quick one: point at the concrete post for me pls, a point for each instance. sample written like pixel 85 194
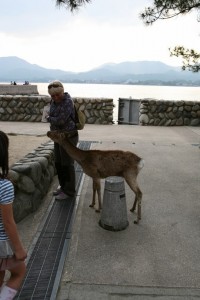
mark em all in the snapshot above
pixel 114 210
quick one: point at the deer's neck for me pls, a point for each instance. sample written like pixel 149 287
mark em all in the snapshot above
pixel 76 153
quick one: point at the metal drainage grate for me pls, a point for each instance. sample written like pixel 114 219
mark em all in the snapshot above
pixel 45 265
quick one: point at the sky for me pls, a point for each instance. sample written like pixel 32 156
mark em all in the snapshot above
pixel 103 31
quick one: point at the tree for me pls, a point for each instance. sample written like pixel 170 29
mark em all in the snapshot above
pixel 190 58
pixel 167 9
pixel 72 4
pixel 161 10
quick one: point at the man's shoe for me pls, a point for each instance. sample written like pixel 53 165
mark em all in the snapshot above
pixel 57 191
pixel 71 194
pixel 61 196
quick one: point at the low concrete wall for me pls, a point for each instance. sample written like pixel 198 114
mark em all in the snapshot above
pixel 32 177
pixel 8 89
pixel 30 108
pixel 169 113
pixel 22 108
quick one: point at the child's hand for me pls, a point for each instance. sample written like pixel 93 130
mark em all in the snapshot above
pixel 21 254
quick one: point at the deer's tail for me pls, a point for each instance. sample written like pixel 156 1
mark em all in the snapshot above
pixel 141 164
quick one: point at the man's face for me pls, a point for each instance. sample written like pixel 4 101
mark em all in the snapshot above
pixel 57 97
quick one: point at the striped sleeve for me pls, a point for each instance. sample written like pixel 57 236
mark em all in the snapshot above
pixel 6 192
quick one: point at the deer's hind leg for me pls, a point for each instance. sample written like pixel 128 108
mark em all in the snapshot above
pixel 96 188
pixel 131 180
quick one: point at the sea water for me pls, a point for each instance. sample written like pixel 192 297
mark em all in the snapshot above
pixel 116 91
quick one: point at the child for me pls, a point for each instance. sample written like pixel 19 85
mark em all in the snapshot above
pixel 12 253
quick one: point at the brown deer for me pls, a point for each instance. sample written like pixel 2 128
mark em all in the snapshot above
pixel 104 163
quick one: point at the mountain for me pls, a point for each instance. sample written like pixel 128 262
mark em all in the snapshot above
pixel 138 67
pixel 16 69
pixel 13 68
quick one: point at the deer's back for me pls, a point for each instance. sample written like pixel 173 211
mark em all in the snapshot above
pixel 98 163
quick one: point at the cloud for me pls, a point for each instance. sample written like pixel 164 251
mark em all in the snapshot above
pixel 22 17
pixel 102 31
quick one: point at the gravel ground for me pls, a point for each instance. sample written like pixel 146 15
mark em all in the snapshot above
pixel 20 145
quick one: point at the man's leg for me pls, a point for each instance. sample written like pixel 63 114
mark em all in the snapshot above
pixel 68 170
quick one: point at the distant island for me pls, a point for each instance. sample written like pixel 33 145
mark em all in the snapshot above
pixel 13 68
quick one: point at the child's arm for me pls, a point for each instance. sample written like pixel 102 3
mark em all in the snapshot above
pixel 11 230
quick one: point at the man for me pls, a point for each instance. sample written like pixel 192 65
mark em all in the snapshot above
pixel 62 117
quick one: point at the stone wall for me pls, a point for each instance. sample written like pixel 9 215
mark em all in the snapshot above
pixel 8 89
pixel 30 108
pixel 169 113
pixel 32 177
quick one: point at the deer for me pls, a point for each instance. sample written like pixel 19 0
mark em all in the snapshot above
pixel 99 164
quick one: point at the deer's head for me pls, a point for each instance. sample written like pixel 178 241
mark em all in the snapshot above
pixel 58 136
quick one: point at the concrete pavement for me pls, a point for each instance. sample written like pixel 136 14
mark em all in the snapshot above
pixel 160 256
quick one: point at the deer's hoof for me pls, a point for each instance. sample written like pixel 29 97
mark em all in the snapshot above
pixel 91 205
pixel 135 222
pixel 132 209
pixel 97 210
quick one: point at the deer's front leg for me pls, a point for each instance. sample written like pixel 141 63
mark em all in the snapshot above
pixel 98 189
pixel 94 187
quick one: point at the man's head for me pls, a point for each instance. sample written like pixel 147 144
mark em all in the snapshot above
pixel 56 90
